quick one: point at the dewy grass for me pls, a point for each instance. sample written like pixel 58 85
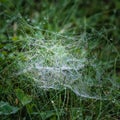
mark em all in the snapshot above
pixel 68 63
pixel 67 60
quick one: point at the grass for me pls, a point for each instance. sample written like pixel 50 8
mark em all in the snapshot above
pixel 59 60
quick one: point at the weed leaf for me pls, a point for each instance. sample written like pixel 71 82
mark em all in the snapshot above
pixel 7 109
pixel 23 98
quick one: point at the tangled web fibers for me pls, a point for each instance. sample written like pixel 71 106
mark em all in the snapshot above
pixel 62 62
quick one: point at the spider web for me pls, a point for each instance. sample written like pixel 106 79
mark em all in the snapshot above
pixel 52 64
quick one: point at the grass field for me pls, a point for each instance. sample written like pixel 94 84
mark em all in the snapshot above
pixel 60 60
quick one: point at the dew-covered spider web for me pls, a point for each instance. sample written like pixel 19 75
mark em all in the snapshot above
pixel 62 62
